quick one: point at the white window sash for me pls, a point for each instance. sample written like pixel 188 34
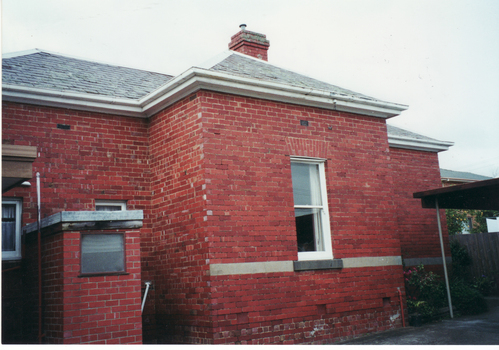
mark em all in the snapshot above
pixel 100 205
pixel 325 239
pixel 15 254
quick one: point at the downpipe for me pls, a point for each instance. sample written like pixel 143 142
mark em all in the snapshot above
pixel 401 306
pixel 39 221
pixel 145 296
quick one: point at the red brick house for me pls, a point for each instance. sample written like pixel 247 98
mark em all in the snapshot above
pixel 259 205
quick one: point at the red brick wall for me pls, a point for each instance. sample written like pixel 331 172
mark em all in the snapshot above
pixel 249 192
pixel 212 174
pixel 312 307
pixel 250 218
pixel 222 194
pixel 181 292
pixel 102 309
pixel 416 171
pixel 82 164
pixel 99 157
pixel 97 309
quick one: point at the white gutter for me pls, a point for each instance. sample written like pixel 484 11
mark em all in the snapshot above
pixel 456 179
pixel 233 84
pixel 71 100
pixel 196 79
pixel 418 144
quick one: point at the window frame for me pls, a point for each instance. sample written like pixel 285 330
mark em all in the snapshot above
pixel 103 273
pixel 121 204
pixel 16 254
pixel 324 211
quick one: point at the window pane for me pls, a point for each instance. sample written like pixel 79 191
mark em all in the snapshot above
pixel 309 230
pixel 102 253
pixel 306 186
pixel 8 211
pixel 107 207
pixel 8 227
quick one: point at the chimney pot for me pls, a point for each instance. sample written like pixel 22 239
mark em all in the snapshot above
pixel 243 26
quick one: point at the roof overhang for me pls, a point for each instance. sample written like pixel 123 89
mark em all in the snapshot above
pixel 482 195
pixel 196 79
pixel 87 220
pixel 458 180
pixel 396 141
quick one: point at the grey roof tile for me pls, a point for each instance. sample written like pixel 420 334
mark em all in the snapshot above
pixel 251 68
pixel 46 70
pixel 445 173
pixel 50 71
pixel 394 131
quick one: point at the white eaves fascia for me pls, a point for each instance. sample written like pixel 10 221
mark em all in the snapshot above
pixel 71 100
pixel 418 144
pixel 456 179
pixel 196 79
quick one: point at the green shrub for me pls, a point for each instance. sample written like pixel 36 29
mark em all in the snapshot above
pixel 483 284
pixel 468 301
pixel 461 259
pixel 424 292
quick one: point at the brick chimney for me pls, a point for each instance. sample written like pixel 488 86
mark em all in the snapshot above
pixel 250 43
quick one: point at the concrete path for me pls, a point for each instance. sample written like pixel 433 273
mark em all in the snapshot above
pixel 480 329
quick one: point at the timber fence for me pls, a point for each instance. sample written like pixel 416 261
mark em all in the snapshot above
pixel 483 249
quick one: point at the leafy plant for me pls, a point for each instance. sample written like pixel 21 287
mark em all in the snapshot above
pixel 468 301
pixel 461 259
pixel 457 220
pixel 483 284
pixel 423 308
pixel 423 291
pixel 426 292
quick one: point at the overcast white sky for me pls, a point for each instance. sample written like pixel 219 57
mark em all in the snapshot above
pixel 439 57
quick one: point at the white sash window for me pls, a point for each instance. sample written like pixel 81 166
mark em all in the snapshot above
pixel 11 229
pixel 311 211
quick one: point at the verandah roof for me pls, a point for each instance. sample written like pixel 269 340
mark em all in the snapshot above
pixel 482 195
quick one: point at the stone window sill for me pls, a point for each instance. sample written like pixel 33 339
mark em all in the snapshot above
pixel 307 265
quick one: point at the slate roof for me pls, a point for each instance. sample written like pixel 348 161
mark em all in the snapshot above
pixel 52 71
pixel 97 84
pixel 394 131
pixel 251 68
pixel 445 173
pixel 45 70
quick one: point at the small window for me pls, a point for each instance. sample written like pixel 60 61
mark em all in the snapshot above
pixel 311 211
pixel 470 224
pixel 102 253
pixel 11 229
pixel 109 205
